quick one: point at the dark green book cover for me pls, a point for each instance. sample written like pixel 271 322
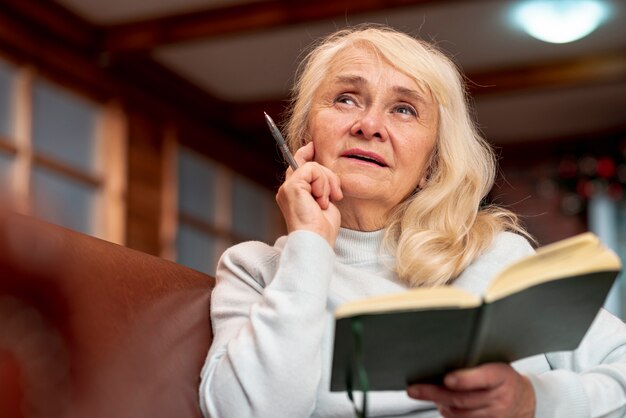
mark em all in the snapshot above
pixel 399 347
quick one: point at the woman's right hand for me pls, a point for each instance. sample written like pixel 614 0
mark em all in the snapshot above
pixel 307 195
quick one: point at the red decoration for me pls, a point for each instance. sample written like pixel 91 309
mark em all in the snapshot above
pixel 596 167
pixel 584 188
pixel 606 167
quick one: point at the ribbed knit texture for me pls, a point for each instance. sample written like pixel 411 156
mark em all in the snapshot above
pixel 353 247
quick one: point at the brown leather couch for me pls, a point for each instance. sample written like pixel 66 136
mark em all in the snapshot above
pixel 91 329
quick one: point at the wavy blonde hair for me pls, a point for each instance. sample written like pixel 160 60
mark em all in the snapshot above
pixel 439 230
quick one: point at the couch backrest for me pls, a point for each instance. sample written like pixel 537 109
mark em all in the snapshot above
pixel 93 329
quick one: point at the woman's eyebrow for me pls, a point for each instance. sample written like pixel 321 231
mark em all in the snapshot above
pixel 356 80
pixel 413 94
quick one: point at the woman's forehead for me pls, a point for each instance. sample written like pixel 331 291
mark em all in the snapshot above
pixel 353 57
pixel 358 61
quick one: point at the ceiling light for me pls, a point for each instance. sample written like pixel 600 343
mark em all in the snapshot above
pixel 560 21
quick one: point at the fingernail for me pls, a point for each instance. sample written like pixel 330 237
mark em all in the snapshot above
pixel 413 392
pixel 451 381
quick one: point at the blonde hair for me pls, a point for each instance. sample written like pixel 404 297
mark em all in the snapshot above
pixel 439 230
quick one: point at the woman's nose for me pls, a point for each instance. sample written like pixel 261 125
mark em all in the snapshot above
pixel 370 124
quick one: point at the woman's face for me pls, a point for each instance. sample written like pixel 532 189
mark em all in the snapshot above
pixel 375 128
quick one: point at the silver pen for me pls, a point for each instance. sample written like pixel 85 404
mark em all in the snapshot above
pixel 281 142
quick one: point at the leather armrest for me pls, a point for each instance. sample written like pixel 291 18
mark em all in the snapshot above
pixel 98 329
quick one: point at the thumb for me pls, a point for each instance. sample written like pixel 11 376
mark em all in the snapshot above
pixel 305 153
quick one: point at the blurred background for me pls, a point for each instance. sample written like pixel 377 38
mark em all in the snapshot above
pixel 141 121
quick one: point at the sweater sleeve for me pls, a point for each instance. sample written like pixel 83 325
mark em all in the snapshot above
pixel 268 313
pixel 589 381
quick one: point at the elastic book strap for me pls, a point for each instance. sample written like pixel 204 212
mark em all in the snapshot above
pixel 358 366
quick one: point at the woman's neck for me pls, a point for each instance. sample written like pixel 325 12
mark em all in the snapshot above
pixel 362 216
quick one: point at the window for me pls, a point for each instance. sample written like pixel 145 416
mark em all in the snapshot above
pixel 7 147
pixel 252 209
pixel 606 219
pixel 197 234
pixel 66 179
pixel 7 82
pixel 217 208
pixel 64 128
pixel 54 161
pixel 6 177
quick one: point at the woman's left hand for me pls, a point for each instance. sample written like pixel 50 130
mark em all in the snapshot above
pixel 491 390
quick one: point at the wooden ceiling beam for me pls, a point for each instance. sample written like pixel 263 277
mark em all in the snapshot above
pixel 589 70
pixel 56 21
pixel 145 35
pixel 35 47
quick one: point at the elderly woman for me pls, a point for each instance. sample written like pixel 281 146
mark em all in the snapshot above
pixel 387 197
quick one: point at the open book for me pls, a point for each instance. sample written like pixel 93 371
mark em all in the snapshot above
pixel 542 303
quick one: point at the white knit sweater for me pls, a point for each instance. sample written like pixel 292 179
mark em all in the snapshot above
pixel 272 315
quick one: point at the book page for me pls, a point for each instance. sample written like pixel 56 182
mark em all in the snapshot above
pixel 574 256
pixel 414 299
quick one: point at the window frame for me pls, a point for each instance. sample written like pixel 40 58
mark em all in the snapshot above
pixel 222 227
pixel 111 138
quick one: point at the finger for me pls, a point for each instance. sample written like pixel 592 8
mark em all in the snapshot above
pixel 336 194
pixel 332 187
pixel 487 376
pixel 302 155
pixel 452 412
pixel 466 400
pixel 320 186
pixel 305 153
pixel 449 412
pixel 427 392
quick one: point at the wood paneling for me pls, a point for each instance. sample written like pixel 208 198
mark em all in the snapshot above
pixel 54 19
pixel 151 33
pixel 145 182
pixel 558 74
pixel 112 139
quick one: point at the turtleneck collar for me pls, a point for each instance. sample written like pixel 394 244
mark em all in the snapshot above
pixel 353 246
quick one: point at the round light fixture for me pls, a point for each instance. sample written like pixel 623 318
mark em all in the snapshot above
pixel 560 21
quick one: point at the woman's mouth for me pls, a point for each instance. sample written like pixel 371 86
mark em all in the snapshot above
pixel 366 156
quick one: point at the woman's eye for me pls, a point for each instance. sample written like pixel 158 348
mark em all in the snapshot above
pixel 345 99
pixel 406 110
